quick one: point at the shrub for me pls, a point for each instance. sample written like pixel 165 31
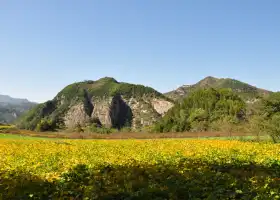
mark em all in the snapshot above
pixel 272 126
pixel 94 128
pixel 79 128
pixel 46 125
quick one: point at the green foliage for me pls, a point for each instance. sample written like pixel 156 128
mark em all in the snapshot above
pixel 181 179
pixel 271 104
pixel 32 118
pixel 95 128
pixel 269 116
pixel 272 127
pixel 46 125
pixel 201 109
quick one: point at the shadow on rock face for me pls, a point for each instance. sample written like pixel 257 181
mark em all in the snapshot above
pixel 120 113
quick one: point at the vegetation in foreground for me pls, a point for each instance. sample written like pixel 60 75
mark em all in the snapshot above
pixel 139 169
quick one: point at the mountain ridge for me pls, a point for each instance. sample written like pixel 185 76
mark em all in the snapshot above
pixel 245 90
pixel 104 101
pixel 12 108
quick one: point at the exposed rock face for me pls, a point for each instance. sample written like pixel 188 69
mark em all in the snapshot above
pixel 118 112
pixel 112 112
pixel 76 115
pixel 143 112
pixel 161 106
pixel 101 110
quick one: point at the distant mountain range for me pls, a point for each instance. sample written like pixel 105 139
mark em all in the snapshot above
pixel 246 91
pixel 112 103
pixel 12 108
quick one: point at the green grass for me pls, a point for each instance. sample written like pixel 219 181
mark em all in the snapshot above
pixel 17 137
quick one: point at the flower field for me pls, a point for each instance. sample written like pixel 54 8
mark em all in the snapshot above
pixel 138 169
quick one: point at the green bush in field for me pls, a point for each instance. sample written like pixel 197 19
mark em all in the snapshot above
pixel 96 128
pixel 46 125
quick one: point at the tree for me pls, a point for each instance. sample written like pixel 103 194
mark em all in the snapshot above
pixel 46 125
pixel 272 127
pixel 270 112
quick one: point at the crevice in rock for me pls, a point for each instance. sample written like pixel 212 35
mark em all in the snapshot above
pixel 120 113
pixel 88 106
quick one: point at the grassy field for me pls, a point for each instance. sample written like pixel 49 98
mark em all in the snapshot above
pixel 138 169
pixel 21 137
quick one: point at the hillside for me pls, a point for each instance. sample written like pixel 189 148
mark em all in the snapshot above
pixel 106 102
pixel 12 108
pixel 203 109
pixel 246 91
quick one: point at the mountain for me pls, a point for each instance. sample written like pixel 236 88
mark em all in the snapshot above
pixel 12 108
pixel 105 101
pixel 14 101
pixel 204 109
pixel 246 91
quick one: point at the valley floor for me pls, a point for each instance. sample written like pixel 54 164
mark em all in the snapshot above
pixel 129 135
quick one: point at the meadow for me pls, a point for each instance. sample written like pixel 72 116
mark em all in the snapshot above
pixel 138 169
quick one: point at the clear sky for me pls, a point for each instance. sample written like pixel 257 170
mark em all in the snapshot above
pixel 48 44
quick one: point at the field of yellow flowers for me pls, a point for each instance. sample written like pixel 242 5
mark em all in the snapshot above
pixel 138 169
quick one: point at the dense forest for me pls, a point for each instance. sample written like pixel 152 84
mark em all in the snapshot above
pixel 203 110
pixel 223 110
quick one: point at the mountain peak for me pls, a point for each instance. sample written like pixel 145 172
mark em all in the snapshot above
pixel 107 79
pixel 243 89
pixel 11 100
pixel 209 80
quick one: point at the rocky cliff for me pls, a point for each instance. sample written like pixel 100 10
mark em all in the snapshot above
pixel 105 101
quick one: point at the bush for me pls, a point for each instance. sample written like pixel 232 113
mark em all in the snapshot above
pixel 94 128
pixel 125 129
pixel 46 125
pixel 79 128
pixel 269 117
pixel 272 126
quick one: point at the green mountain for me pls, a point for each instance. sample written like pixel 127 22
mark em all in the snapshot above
pixel 246 91
pixel 204 109
pixel 12 108
pixel 106 102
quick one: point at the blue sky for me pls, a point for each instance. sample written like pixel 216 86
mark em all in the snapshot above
pixel 48 44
